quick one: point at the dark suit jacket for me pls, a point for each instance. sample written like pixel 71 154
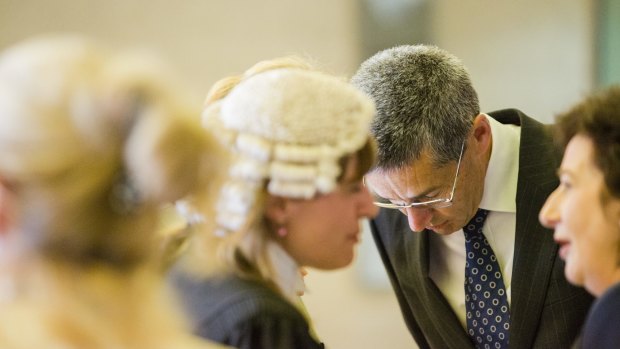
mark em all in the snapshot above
pixel 603 322
pixel 546 311
pixel 242 313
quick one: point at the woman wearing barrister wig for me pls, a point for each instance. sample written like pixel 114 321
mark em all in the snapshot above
pixel 292 197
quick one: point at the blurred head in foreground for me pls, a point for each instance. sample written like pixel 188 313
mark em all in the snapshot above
pixel 91 143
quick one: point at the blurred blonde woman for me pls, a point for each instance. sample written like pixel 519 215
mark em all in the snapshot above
pixel 291 197
pixel 91 143
pixel 584 210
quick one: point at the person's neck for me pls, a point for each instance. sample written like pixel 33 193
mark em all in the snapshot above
pixel 602 284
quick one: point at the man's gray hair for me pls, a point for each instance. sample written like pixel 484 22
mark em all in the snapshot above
pixel 425 102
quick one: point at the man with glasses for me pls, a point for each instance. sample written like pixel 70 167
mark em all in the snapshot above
pixel 460 193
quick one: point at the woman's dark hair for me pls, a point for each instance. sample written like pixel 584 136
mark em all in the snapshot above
pixel 598 118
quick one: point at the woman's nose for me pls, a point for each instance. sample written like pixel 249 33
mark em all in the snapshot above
pixel 549 215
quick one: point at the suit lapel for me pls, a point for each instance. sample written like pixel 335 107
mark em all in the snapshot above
pixel 535 250
pixel 437 315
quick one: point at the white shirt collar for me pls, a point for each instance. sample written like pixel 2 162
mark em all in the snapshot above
pixel 500 185
pixel 287 273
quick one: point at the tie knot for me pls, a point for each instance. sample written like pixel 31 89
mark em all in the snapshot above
pixel 473 228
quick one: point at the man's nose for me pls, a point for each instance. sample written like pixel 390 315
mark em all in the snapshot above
pixel 418 217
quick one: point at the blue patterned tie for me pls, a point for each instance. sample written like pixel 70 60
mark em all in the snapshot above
pixel 488 313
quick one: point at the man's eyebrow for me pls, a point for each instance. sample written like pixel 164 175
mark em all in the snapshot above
pixel 424 193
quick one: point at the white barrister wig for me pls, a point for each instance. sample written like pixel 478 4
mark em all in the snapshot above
pixel 290 128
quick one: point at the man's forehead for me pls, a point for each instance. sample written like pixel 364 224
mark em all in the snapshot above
pixel 397 180
pixel 419 167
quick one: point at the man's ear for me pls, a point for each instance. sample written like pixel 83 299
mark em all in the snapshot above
pixel 275 209
pixel 482 134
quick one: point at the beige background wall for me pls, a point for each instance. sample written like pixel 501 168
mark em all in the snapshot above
pixel 531 54
pixel 204 39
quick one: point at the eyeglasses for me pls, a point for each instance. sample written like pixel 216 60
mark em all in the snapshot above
pixel 434 203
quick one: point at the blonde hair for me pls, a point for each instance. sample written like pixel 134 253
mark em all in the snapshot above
pixel 244 250
pixel 90 143
pixel 205 250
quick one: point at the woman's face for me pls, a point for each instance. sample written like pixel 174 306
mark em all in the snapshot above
pixel 587 228
pixel 323 231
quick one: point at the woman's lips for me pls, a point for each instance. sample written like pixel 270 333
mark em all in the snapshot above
pixel 564 248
